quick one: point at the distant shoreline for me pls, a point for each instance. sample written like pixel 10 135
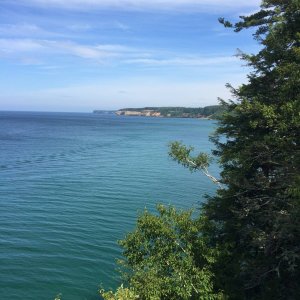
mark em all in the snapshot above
pixel 155 115
pixel 206 113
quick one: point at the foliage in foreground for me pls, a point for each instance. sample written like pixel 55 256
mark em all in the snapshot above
pixel 167 257
pixel 121 294
pixel 245 241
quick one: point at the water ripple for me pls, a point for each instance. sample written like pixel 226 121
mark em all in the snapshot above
pixel 71 185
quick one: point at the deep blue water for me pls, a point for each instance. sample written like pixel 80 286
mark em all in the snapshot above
pixel 71 185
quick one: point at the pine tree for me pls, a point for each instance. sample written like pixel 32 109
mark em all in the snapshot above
pixel 256 217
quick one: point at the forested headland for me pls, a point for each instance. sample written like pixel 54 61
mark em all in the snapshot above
pixel 211 111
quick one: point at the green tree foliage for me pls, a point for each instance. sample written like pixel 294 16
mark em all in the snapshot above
pixel 182 154
pixel 257 215
pixel 246 241
pixel 167 257
pixel 122 293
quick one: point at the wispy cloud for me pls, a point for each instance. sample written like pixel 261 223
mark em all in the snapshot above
pixel 79 27
pixel 184 61
pixel 14 47
pixel 82 51
pixel 61 30
pixel 20 29
pixel 143 4
pixel 105 53
pixel 33 31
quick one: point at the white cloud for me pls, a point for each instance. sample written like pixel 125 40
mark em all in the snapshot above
pixel 33 31
pixel 11 46
pixel 15 47
pixel 82 51
pixel 183 61
pixel 79 27
pixel 145 4
pixel 104 53
pixel 20 29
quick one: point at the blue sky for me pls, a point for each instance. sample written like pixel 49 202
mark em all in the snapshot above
pixel 80 55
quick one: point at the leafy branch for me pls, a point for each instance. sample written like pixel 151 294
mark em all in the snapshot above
pixel 182 155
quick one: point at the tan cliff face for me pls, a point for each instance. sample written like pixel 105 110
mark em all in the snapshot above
pixel 144 113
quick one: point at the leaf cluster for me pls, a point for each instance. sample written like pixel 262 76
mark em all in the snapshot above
pixel 166 257
pixel 183 155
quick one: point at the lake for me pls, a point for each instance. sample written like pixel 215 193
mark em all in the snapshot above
pixel 72 184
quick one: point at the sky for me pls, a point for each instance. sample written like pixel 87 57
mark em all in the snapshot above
pixel 81 55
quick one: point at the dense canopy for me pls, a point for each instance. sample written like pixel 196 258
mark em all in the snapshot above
pixel 244 244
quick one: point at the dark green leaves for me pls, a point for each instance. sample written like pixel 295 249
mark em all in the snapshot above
pixel 255 216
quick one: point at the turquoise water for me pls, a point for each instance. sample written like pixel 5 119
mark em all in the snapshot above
pixel 71 185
